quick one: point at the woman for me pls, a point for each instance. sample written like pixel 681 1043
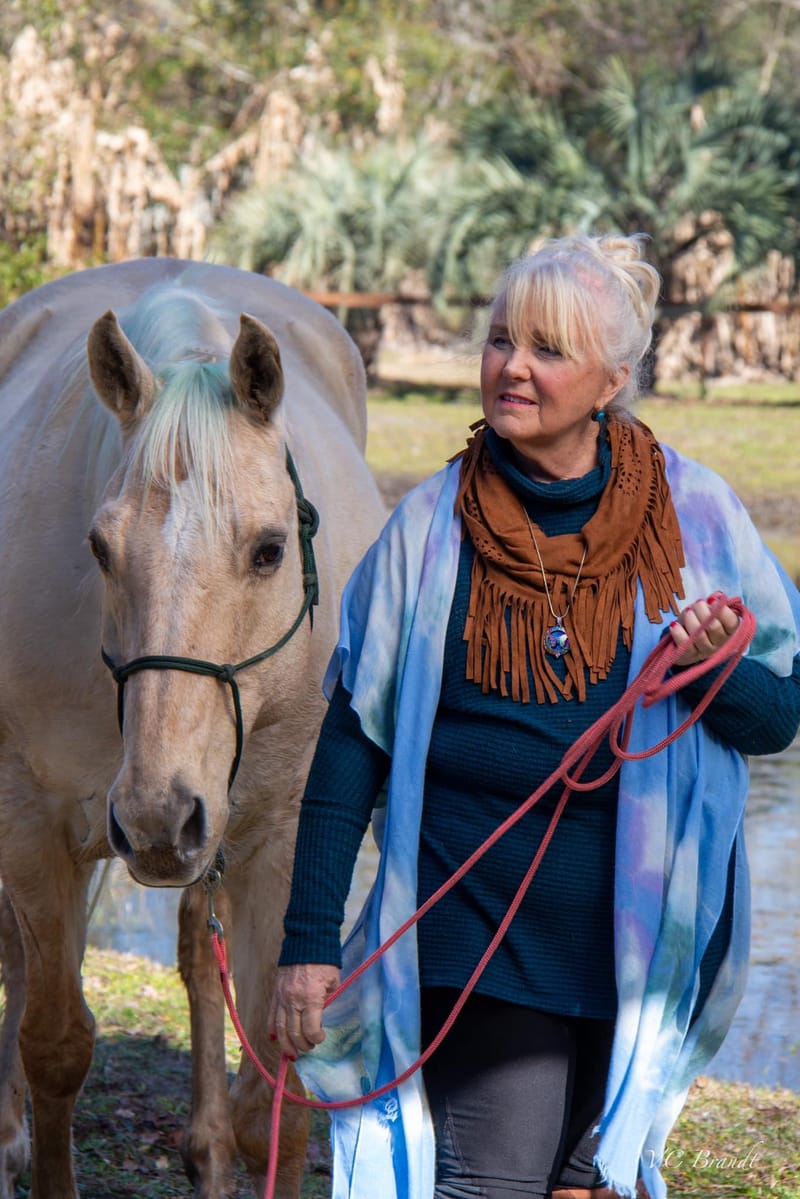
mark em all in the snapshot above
pixel 504 609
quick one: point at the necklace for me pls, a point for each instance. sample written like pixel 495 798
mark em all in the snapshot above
pixel 556 640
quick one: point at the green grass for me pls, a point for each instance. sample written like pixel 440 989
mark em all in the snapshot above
pixel 724 390
pixel 735 1142
pixel 754 446
pixel 414 436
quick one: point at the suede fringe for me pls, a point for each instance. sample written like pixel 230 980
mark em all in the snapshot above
pixel 633 538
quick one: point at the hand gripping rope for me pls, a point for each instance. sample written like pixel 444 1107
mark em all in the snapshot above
pixel 651 685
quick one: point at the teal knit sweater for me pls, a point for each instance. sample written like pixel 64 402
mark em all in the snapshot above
pixel 487 754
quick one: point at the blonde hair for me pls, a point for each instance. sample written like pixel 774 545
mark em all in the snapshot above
pixel 585 294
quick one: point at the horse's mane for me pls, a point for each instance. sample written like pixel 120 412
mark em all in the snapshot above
pixel 185 435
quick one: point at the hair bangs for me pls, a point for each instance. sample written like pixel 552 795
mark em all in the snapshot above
pixel 552 305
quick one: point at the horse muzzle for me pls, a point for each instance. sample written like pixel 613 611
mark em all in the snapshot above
pixel 164 844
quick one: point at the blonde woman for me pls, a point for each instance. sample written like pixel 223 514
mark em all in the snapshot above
pixel 506 606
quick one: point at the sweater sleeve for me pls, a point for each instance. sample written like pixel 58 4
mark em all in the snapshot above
pixel 347 773
pixel 755 711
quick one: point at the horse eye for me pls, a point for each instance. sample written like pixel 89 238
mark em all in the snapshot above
pixel 268 554
pixel 100 551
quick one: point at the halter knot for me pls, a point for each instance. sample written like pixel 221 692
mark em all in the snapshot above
pixel 117 672
pixel 308 518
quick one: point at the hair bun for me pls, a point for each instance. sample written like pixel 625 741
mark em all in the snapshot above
pixel 624 257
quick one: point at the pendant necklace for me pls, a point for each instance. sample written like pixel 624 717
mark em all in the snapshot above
pixel 556 640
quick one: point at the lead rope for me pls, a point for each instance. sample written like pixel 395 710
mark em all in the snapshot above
pixel 650 686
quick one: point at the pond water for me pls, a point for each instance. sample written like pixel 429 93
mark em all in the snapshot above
pixel 763 1046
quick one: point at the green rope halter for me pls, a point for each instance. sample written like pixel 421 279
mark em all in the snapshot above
pixel 308 523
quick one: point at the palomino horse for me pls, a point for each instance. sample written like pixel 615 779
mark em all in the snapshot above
pixel 158 439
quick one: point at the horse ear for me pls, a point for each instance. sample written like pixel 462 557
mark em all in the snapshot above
pixel 121 378
pixel 255 368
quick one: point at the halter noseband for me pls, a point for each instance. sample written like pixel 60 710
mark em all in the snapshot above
pixel 308 523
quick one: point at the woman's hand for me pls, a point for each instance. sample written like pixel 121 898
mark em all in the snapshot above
pixel 295 1016
pixel 721 628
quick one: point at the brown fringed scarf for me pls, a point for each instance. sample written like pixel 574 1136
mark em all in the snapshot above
pixel 633 537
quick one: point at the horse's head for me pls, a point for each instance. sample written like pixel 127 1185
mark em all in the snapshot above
pixel 197 543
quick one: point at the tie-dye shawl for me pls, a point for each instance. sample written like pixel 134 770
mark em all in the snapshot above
pixel 680 819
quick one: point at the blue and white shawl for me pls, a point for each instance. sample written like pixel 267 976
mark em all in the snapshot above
pixel 680 819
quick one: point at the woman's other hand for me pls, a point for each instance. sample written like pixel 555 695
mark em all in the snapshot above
pixel 295 1017
pixel 720 629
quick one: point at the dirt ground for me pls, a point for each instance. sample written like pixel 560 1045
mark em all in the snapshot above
pixel 776 515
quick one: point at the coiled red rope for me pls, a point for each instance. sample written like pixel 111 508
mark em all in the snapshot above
pixel 652 684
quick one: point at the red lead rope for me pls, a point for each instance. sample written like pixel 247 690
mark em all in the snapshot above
pixel 650 686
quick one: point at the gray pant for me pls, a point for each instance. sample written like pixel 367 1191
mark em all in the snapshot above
pixel 515 1094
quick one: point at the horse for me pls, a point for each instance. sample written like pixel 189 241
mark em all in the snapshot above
pixel 171 434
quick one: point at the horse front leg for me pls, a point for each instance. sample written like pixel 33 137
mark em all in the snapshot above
pixel 209 1146
pixel 259 896
pixel 56 1032
pixel 14 1138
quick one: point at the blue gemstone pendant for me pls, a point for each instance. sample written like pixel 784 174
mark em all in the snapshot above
pixel 556 641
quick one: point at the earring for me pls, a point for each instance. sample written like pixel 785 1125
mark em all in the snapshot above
pixel 599 415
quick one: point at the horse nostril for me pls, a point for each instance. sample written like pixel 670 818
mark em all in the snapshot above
pixel 116 836
pixel 194 832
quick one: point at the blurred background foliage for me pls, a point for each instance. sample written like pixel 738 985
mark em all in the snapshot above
pixel 438 140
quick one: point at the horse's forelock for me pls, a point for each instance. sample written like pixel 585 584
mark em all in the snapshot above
pixel 185 436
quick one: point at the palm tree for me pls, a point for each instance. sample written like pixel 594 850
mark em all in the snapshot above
pixel 700 143
pixel 524 176
pixel 674 157
pixel 340 221
pixel 694 157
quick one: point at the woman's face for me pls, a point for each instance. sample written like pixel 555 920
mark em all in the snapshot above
pixel 540 401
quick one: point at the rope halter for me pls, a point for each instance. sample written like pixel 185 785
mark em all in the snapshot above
pixel 308 523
